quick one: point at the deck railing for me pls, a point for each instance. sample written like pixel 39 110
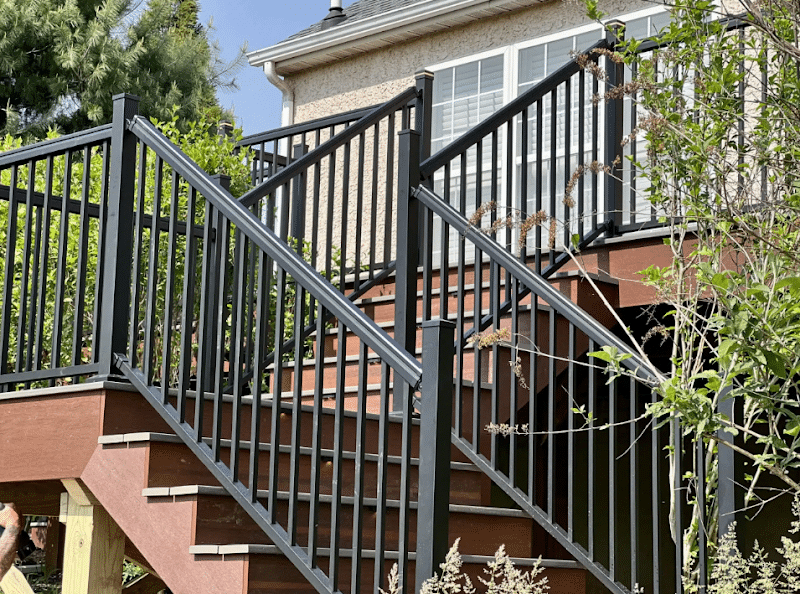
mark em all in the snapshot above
pixel 333 188
pixel 228 315
pixel 252 435
pixel 53 200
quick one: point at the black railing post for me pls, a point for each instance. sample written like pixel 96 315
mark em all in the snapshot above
pixel 438 337
pixel 405 305
pixel 117 251
pixel 215 273
pixel 615 78
pixel 423 113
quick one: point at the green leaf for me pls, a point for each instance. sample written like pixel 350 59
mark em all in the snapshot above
pixel 775 364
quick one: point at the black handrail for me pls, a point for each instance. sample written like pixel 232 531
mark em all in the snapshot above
pixel 310 126
pixel 504 114
pixel 62 144
pixel 325 149
pixel 541 287
pixel 248 224
pixel 657 42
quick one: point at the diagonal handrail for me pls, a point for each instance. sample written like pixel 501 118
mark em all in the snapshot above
pixel 309 126
pixel 506 113
pixel 265 239
pixel 577 317
pixel 569 310
pixel 288 173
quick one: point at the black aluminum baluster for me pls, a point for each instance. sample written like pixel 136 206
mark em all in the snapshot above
pixel 612 482
pixel 22 337
pixel 360 174
pixel 187 353
pixel 152 275
pixel 83 264
pixel 138 237
pixel 61 263
pixel 169 290
pixel 297 402
pixel 383 473
pixel 221 299
pixel 359 472
pixel 591 410
pixel 334 569
pixel 316 437
pixel 235 364
pixel 43 258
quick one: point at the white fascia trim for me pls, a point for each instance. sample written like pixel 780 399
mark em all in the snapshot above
pixel 417 17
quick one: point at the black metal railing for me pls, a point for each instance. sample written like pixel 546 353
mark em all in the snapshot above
pixel 334 195
pixel 275 441
pixel 522 160
pixel 53 197
pixel 569 447
pixel 269 152
pixel 235 319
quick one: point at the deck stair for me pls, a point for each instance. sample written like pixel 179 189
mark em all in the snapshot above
pixel 203 526
pixel 297 420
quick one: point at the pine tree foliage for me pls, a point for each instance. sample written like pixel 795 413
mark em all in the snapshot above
pixel 62 60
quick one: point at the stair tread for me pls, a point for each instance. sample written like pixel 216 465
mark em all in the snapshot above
pixel 145 437
pixel 264 549
pixel 188 490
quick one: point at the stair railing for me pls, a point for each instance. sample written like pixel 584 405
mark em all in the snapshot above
pixel 337 191
pixel 279 443
pixel 568 441
pixel 269 152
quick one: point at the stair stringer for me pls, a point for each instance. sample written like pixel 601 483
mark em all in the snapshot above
pixel 276 533
pixel 162 533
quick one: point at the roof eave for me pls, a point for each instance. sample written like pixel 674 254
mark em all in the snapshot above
pixel 425 17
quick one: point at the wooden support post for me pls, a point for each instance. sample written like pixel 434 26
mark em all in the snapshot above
pixel 93 548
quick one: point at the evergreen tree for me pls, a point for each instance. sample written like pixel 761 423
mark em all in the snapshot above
pixel 62 60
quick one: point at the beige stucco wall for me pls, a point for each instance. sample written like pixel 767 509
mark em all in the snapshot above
pixel 373 77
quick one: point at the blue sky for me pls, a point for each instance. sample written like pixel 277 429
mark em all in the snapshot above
pixel 260 23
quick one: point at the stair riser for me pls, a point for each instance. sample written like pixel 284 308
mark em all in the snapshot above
pixel 272 573
pixel 219 520
pixel 172 464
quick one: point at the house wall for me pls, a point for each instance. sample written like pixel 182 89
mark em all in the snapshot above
pixel 374 77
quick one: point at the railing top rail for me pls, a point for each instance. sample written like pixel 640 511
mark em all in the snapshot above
pixel 325 149
pixel 55 145
pixel 657 42
pixel 310 126
pixel 342 308
pixel 506 113
pixel 535 282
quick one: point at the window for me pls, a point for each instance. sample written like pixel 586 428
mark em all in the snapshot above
pixel 469 90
